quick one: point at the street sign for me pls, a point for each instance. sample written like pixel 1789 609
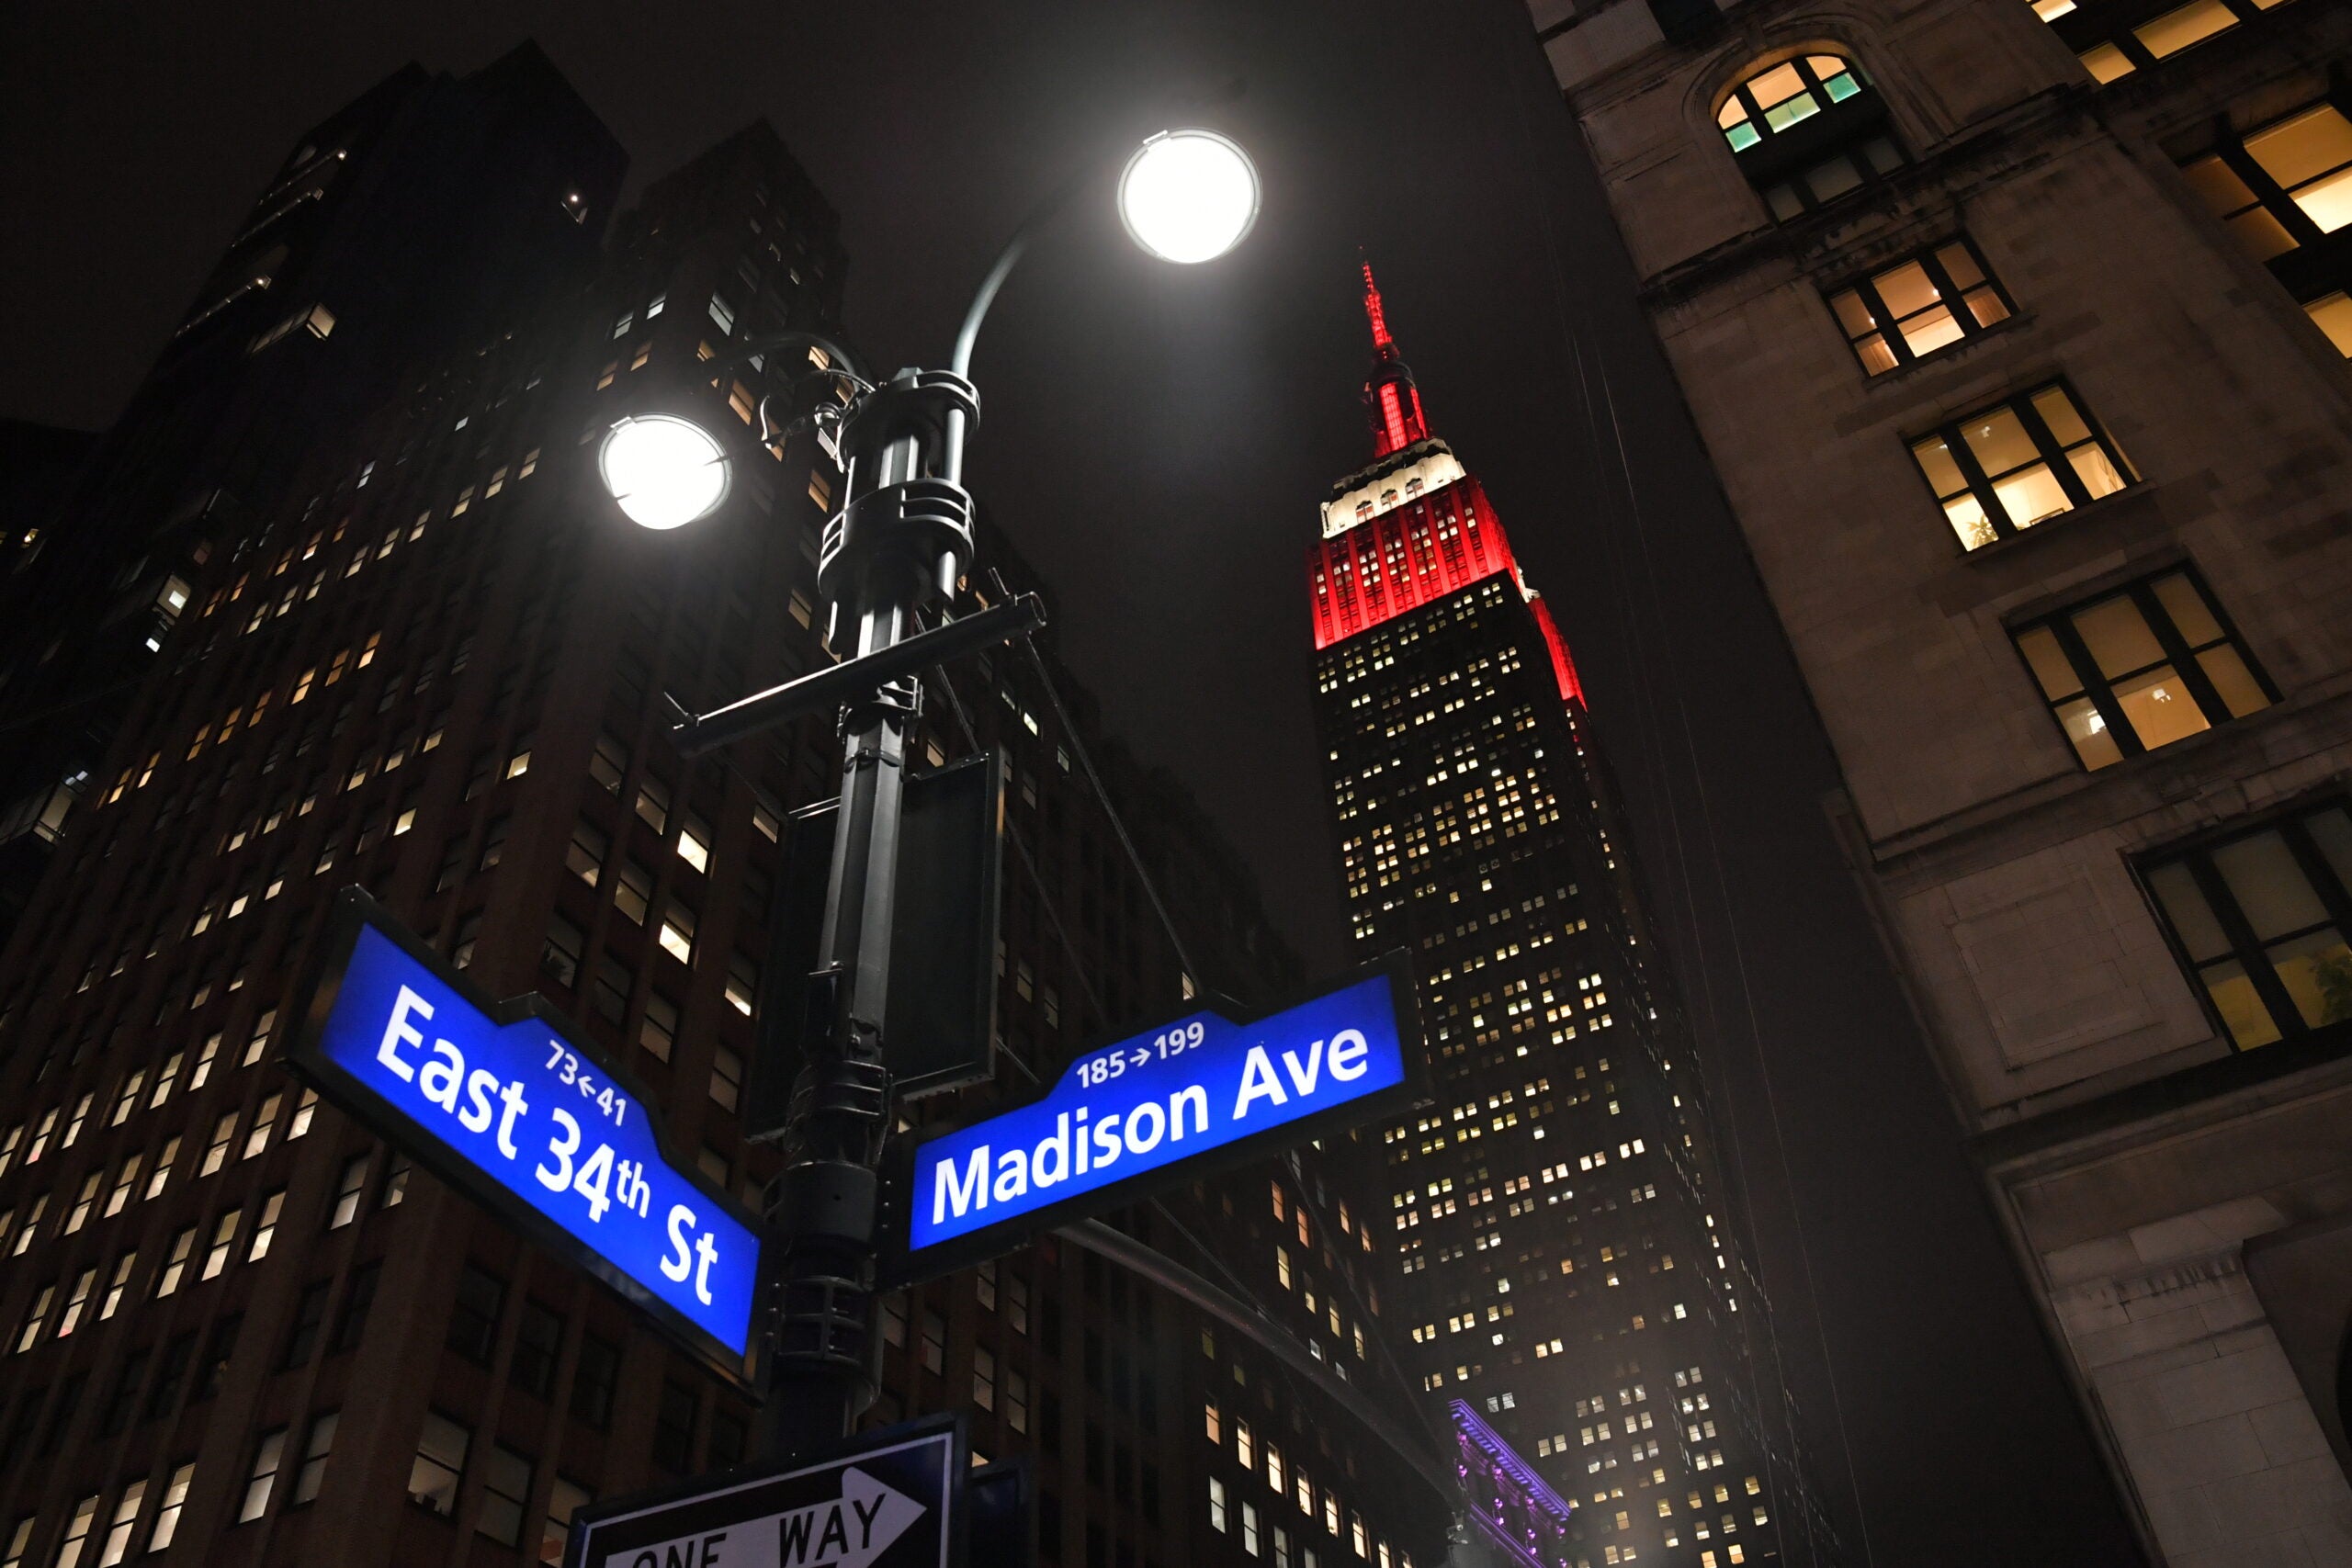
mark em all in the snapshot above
pixel 1164 1105
pixel 890 1498
pixel 506 1103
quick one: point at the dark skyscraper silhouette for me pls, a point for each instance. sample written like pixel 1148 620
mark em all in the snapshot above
pixel 421 216
pixel 428 658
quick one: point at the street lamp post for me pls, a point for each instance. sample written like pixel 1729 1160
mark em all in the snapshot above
pixel 900 544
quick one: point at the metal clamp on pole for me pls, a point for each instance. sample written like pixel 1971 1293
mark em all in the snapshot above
pixel 855 680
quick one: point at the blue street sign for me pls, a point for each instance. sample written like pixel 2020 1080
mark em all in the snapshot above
pixel 503 1102
pixel 1157 1107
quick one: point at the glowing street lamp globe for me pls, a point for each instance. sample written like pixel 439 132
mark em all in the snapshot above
pixel 663 471
pixel 1189 195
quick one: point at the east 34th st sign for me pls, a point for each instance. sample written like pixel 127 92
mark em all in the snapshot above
pixel 501 1101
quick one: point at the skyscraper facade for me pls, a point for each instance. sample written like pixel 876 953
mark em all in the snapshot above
pixel 397 229
pixel 241 1328
pixel 2017 336
pixel 1564 1267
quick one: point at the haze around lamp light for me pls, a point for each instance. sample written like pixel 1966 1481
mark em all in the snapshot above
pixel 1189 195
pixel 663 471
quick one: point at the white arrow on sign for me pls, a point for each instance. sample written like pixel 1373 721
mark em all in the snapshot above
pixel 849 1532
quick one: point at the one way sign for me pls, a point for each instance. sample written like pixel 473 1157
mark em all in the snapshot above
pixel 892 1498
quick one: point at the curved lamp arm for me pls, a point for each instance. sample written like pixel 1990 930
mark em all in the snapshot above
pixel 1047 208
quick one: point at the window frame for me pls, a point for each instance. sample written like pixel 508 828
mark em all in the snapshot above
pixel 2246 947
pixel 2319 264
pixel 1888 327
pixel 1839 128
pixel 456 1474
pixel 2088 26
pixel 2099 687
pixel 2047 446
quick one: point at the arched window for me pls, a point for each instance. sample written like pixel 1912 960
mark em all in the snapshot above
pixel 1807 132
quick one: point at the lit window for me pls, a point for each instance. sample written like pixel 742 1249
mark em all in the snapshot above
pixel 76 1300
pixel 1909 311
pixel 265 1227
pixel 566 1498
pixel 633 891
pixel 265 1122
pixel 2259 916
pixel 262 1477
pixel 2282 189
pixel 1807 132
pixel 742 985
pixel 224 1231
pixel 2115 37
pixel 584 856
pixel 2332 315
pixel 314 1456
pixel 77 1531
pixel 216 1154
pixel 117 1545
pixel 440 1460
pixel 678 933
pixel 2141 668
pixel 167 1517
pixel 694 843
pixel 2004 468
pixel 653 804
pixel 346 1207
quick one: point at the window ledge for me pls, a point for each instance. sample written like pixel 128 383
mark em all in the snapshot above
pixel 2176 1094
pixel 1950 354
pixel 2153 781
pixel 2124 500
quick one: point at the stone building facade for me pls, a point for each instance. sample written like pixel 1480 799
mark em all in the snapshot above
pixel 2016 333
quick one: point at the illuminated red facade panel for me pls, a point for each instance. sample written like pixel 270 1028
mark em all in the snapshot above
pixel 1424 550
pixel 1563 666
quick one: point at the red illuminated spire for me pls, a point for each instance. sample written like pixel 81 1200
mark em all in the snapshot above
pixel 1380 338
pixel 1390 399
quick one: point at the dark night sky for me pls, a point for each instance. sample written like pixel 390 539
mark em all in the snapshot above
pixel 1156 439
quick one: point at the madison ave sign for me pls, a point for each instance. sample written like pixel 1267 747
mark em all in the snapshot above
pixel 1165 1105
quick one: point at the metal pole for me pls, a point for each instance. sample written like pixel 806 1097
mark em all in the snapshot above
pixel 902 540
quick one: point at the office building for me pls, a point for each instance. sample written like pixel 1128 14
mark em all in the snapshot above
pixel 239 1328
pixel 2017 335
pixel 397 230
pixel 1564 1267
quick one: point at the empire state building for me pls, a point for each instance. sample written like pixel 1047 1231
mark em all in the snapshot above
pixel 1568 1286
